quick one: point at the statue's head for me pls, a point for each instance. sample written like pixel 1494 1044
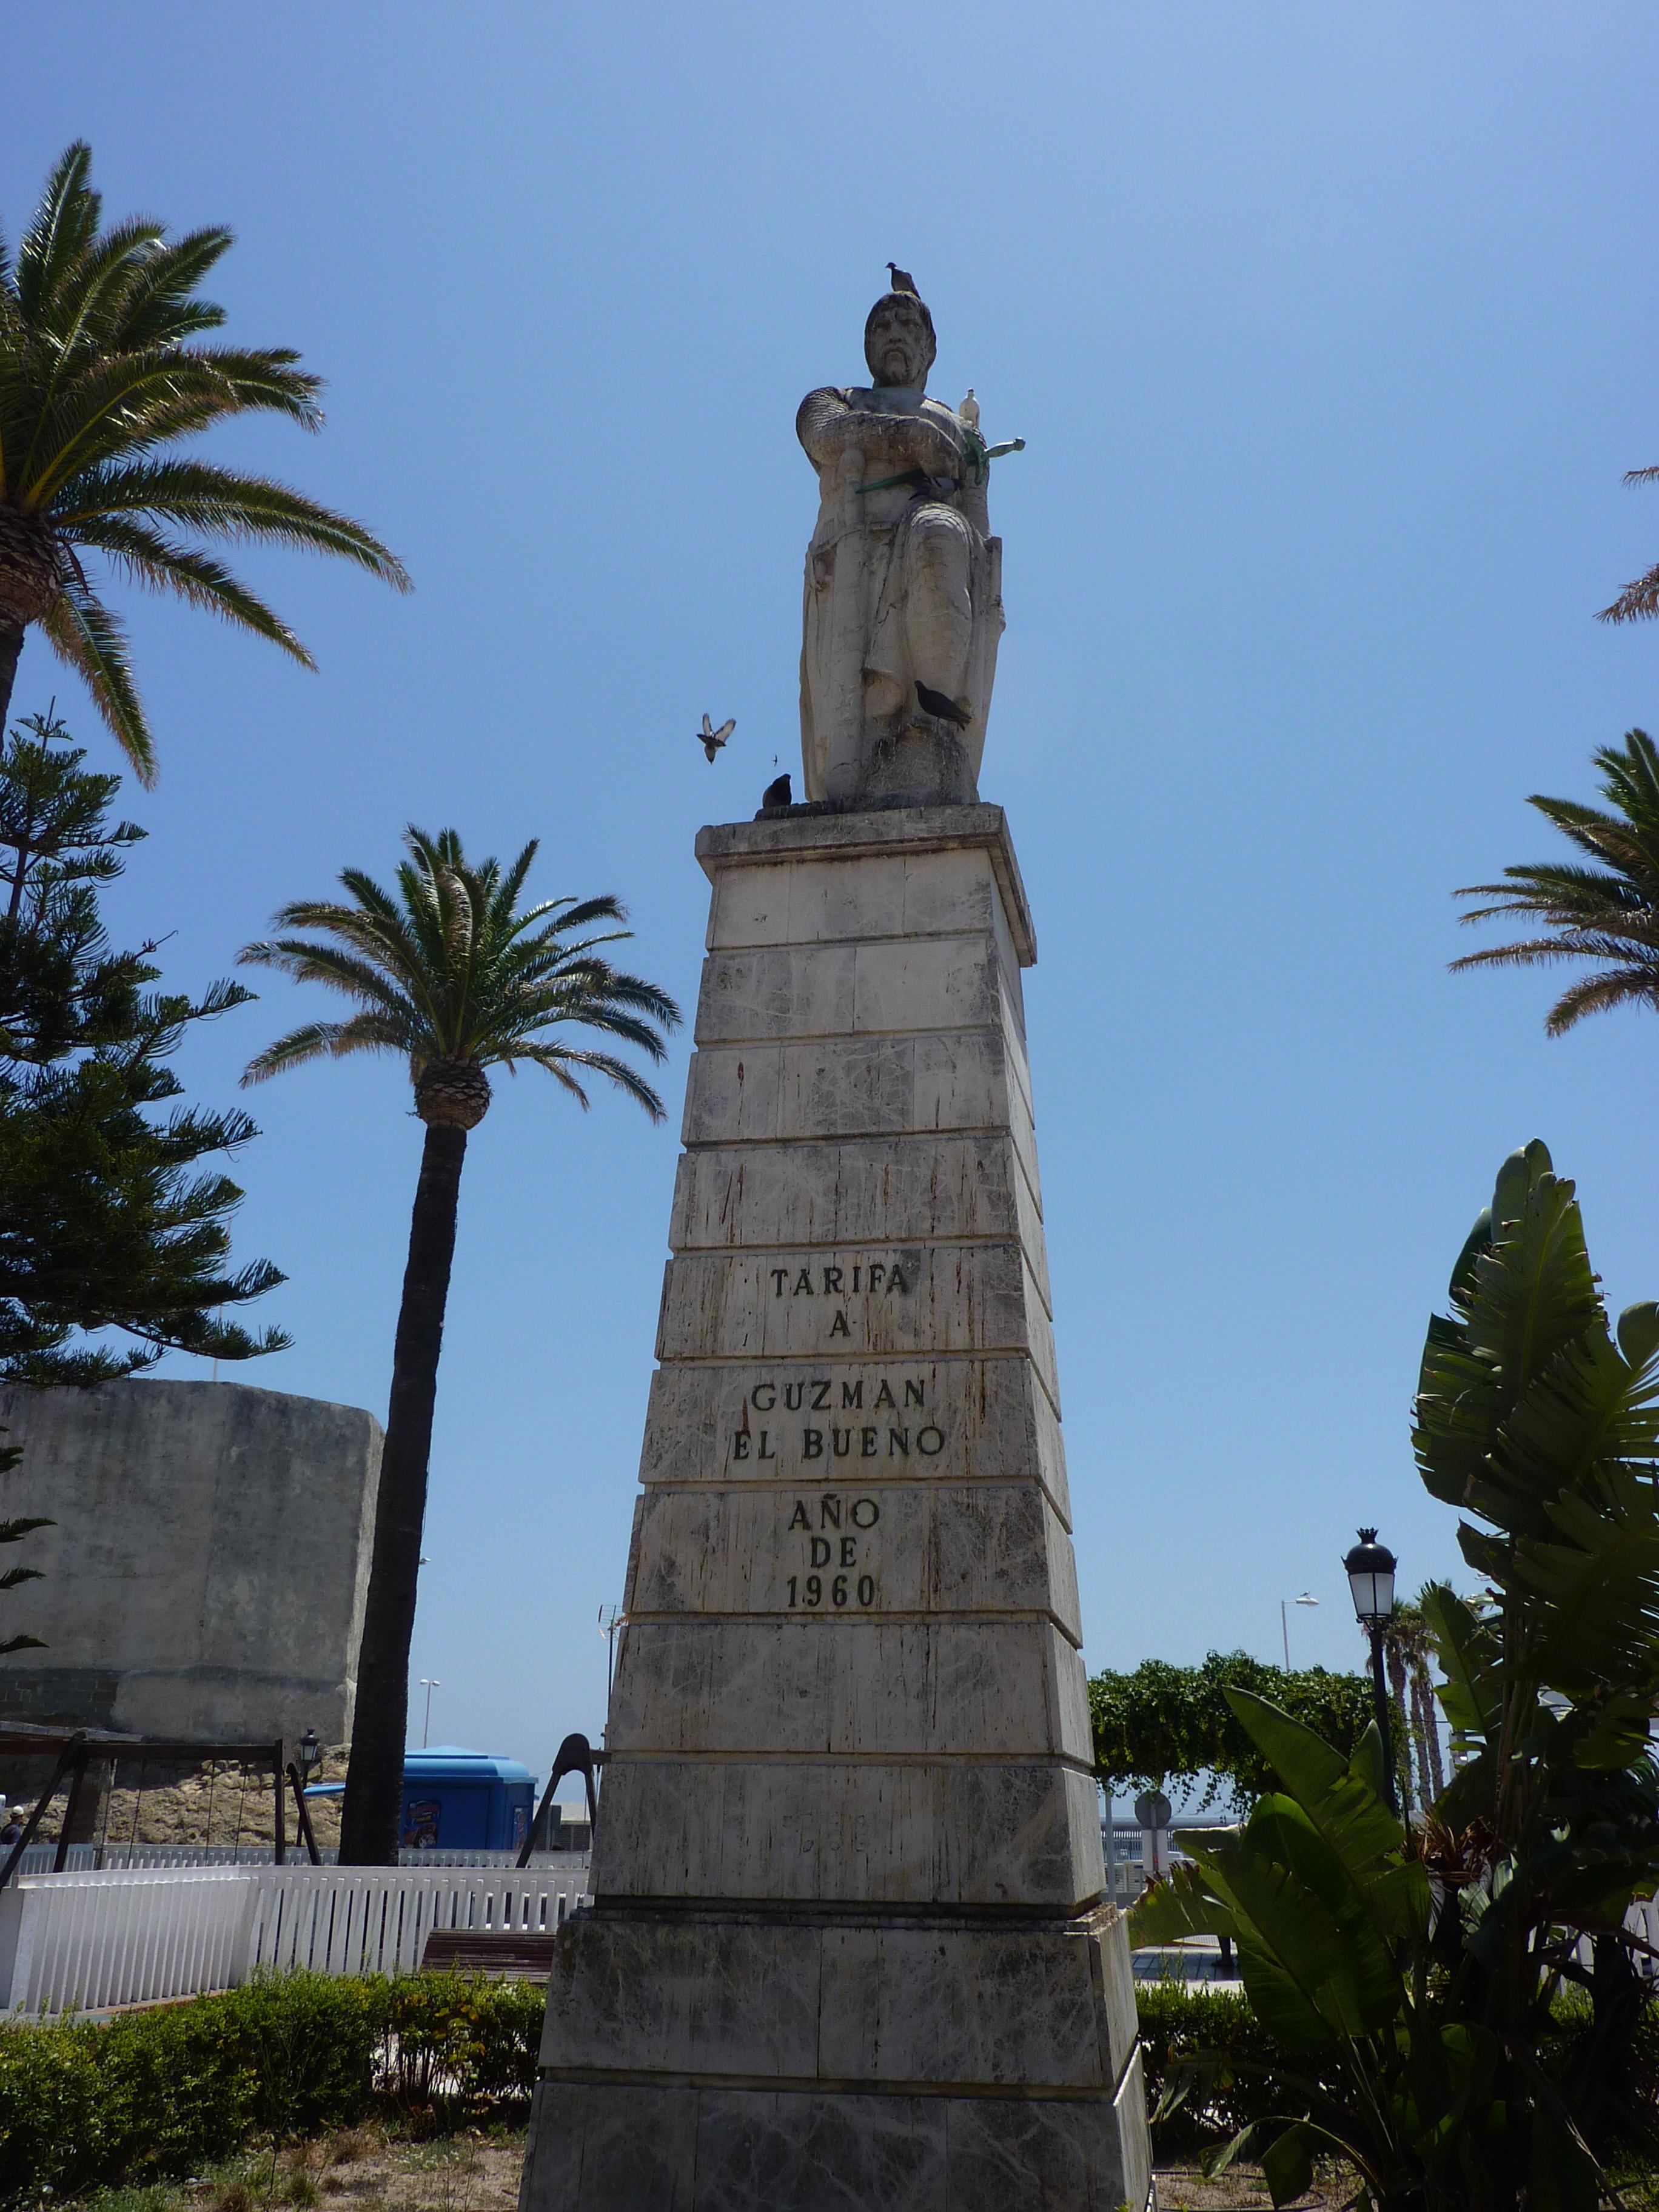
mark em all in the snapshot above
pixel 898 341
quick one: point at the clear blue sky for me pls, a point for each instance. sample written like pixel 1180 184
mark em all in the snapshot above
pixel 1331 331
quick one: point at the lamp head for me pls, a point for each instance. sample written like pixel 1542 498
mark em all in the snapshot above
pixel 1369 1567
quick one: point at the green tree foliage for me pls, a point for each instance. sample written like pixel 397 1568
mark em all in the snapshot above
pixel 1416 2030
pixel 454 976
pixel 1606 913
pixel 102 377
pixel 107 1221
pixel 12 1531
pixel 1164 1723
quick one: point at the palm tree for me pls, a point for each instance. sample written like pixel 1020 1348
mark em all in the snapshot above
pixel 1639 601
pixel 1609 914
pixel 99 369
pixel 1407 1647
pixel 453 975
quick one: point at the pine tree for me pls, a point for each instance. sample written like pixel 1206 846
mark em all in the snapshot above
pixel 108 1221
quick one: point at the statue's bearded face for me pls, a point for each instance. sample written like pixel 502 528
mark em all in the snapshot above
pixel 898 345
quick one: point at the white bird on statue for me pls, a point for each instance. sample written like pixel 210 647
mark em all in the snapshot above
pixel 967 408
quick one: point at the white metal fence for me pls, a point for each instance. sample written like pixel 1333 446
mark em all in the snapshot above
pixel 84 1858
pixel 368 1920
pixel 90 1942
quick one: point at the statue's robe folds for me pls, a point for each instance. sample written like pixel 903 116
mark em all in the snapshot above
pixel 903 581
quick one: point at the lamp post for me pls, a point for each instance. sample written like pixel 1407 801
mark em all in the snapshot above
pixel 428 1685
pixel 311 1752
pixel 1371 1568
pixel 1285 1604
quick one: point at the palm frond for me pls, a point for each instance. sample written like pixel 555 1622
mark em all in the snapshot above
pixel 107 356
pixel 1637 602
pixel 224 503
pixel 307 963
pixel 159 309
pixel 87 309
pixel 1561 893
pixel 85 635
pixel 164 566
pixel 365 1032
pixel 562 1058
pixel 264 379
pixel 1593 995
pixel 62 227
pixel 443 969
pixel 1608 915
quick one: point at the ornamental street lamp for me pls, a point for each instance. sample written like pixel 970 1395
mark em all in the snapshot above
pixel 311 1752
pixel 1371 1568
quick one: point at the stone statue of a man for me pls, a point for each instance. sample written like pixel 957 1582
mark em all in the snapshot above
pixel 903 581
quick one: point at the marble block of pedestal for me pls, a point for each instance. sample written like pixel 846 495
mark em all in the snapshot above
pixel 850 1944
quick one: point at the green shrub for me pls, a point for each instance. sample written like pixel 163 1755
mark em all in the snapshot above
pixel 170 2090
pixel 1200 2037
pixel 448 2041
pixel 53 2111
pixel 1180 2027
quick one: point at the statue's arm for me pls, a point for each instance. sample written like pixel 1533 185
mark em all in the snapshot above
pixel 828 425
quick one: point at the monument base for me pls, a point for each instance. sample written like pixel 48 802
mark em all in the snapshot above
pixel 851 1949
pixel 806 2061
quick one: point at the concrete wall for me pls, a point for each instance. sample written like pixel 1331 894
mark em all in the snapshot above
pixel 206 1576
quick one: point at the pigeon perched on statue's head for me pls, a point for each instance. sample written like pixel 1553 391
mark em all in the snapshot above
pixel 903 280
pixel 712 739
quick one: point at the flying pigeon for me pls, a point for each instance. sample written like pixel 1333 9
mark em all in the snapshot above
pixel 777 793
pixel 942 709
pixel 712 739
pixel 967 408
pixel 903 280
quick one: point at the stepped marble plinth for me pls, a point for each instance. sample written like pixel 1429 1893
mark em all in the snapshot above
pixel 851 1946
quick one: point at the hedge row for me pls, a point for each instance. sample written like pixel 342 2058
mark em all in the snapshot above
pixel 166 2092
pixel 1180 2025
pixel 169 2091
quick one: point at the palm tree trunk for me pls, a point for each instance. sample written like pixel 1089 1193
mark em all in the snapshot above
pixel 1396 1665
pixel 11 644
pixel 1428 1727
pixel 374 1778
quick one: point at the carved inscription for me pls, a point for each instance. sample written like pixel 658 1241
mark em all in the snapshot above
pixel 902 1426
pixel 834 1557
pixel 868 1279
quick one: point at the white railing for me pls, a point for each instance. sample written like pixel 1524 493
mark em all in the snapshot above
pixel 369 1920
pixel 84 1858
pixel 91 1941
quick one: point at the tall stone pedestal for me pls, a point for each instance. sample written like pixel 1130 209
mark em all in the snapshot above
pixel 850 1946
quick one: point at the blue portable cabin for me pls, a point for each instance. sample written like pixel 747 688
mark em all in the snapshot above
pixel 464 1800
pixel 459 1800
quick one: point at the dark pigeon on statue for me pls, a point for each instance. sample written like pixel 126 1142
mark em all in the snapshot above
pixel 903 280
pixel 942 709
pixel 776 793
